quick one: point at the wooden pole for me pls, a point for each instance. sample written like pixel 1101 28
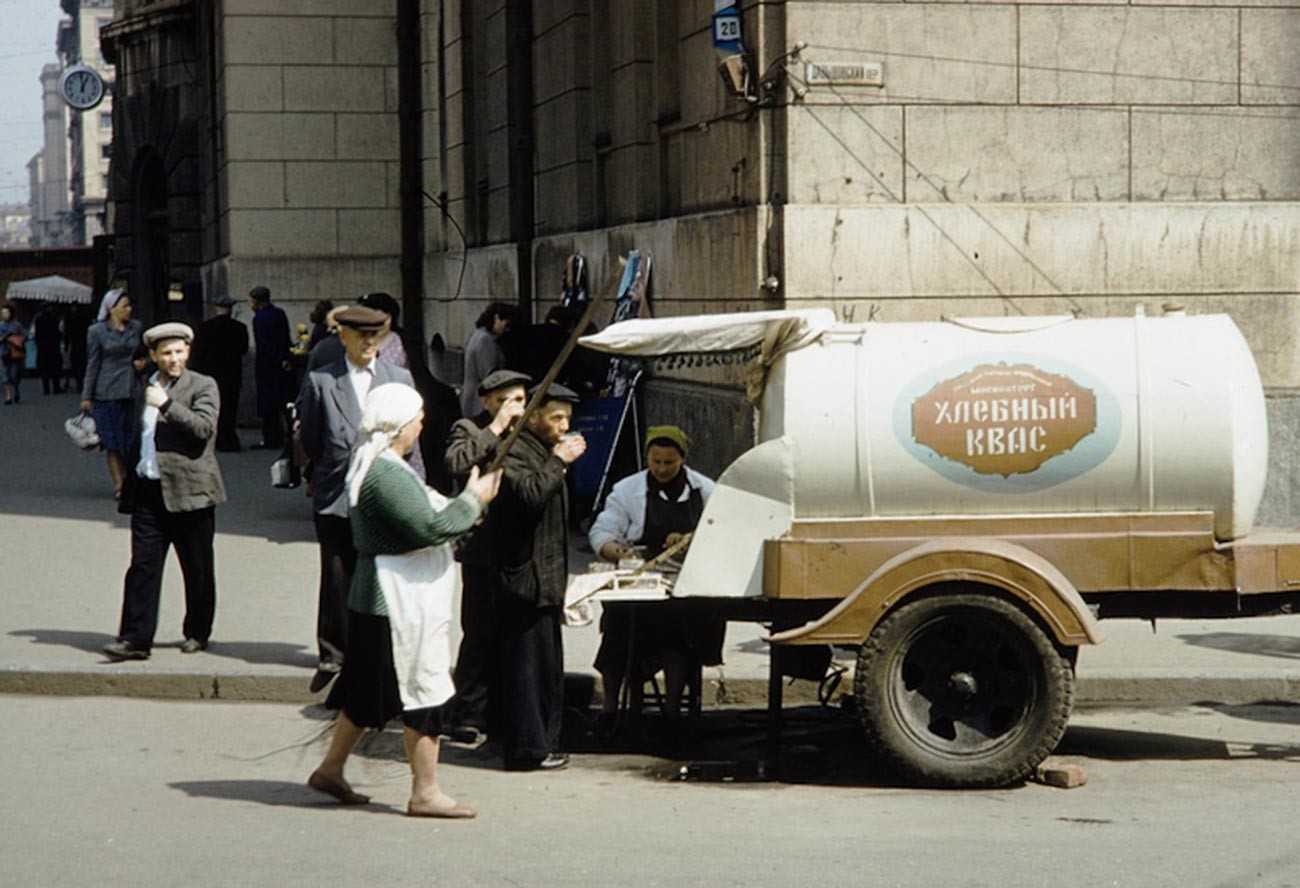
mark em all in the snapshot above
pixel 607 289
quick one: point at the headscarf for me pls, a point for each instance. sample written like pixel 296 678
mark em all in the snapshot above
pixel 669 433
pixel 108 302
pixel 388 407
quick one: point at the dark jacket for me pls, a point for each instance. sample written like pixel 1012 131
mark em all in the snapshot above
pixel 271 337
pixel 471 443
pixel 219 347
pixel 187 430
pixel 330 416
pixel 527 524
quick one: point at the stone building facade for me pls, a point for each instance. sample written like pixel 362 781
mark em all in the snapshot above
pixel 1004 158
pixel 256 145
pixel 891 160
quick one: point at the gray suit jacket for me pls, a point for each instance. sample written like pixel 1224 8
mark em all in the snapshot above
pixel 191 479
pixel 330 415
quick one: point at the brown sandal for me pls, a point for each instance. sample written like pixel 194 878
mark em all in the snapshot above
pixel 344 794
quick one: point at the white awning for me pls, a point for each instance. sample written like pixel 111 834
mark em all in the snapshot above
pixel 776 331
pixel 49 289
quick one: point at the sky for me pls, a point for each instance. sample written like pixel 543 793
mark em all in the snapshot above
pixel 27 34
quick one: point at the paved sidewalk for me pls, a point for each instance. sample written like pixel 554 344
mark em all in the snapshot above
pixel 64 551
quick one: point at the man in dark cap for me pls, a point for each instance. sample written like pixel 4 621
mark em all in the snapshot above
pixel 329 410
pixel 219 347
pixel 171 494
pixel 527 529
pixel 474 442
pixel 272 368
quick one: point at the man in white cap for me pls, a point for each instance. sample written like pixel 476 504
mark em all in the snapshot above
pixel 173 486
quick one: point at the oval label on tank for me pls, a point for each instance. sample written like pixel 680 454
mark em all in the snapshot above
pixel 1008 425
pixel 1004 419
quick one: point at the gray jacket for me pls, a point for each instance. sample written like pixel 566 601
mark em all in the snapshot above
pixel 109 374
pixel 330 415
pixel 187 429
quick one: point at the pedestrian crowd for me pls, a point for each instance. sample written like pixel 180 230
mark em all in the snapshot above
pixel 417 493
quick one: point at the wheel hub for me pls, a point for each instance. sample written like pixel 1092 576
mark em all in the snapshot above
pixel 963 685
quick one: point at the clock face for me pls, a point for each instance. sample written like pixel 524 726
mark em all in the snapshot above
pixel 82 87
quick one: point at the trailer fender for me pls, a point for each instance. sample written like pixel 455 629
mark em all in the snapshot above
pixel 1004 566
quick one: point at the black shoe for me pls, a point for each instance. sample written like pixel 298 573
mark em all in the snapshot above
pixel 326 671
pixel 193 646
pixel 124 650
pixel 555 761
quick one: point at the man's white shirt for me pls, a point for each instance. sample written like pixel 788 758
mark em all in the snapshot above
pixel 362 379
pixel 147 467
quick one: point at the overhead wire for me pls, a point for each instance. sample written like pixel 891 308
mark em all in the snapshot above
pixel 919 208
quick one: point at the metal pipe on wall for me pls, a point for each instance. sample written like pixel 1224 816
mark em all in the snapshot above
pixel 411 172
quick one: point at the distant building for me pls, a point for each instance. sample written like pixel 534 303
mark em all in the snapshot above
pixel 51 188
pixel 15 226
pixel 90 133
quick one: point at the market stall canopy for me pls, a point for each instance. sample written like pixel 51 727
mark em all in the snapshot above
pixel 49 289
pixel 772 332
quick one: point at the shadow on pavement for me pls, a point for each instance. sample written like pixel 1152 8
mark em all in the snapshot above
pixel 276 653
pixel 1276 713
pixel 820 747
pixel 276 793
pixel 253 652
pixel 47 476
pixel 1283 647
pixel 90 642
pixel 1127 746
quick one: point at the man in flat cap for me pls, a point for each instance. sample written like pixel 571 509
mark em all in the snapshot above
pixel 329 410
pixel 172 488
pixel 527 528
pixel 272 368
pixel 218 351
pixel 474 442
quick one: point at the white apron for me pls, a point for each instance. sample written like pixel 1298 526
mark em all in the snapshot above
pixel 420 589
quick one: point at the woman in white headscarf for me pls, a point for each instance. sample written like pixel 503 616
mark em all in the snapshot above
pixel 111 346
pixel 400 602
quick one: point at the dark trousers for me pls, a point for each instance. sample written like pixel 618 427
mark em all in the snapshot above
pixel 532 680
pixel 227 437
pixel 273 429
pixel 51 377
pixel 477 674
pixel 338 561
pixel 153 530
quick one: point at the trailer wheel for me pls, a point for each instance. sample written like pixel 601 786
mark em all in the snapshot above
pixel 963 690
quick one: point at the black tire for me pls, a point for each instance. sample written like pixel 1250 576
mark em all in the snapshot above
pixel 963 689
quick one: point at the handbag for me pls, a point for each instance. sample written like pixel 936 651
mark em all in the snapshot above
pixel 17 346
pixel 81 429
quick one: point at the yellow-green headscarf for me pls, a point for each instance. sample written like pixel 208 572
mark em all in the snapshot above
pixel 669 433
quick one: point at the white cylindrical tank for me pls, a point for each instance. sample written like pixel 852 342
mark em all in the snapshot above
pixel 1023 415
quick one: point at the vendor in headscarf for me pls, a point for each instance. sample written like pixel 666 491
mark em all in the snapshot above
pixel 651 511
pixel 112 344
pixel 400 602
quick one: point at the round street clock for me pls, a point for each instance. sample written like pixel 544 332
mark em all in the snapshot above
pixel 81 87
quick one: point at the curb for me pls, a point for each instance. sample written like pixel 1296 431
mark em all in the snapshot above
pixel 1120 687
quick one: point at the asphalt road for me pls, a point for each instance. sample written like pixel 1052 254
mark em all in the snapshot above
pixel 103 791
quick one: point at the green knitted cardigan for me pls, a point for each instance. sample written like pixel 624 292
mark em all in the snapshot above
pixel 393 515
